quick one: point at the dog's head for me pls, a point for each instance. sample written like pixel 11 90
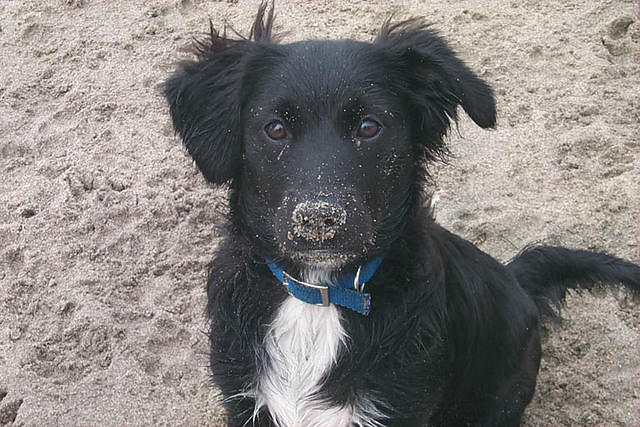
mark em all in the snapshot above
pixel 324 143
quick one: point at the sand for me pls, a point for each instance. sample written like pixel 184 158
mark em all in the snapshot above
pixel 106 228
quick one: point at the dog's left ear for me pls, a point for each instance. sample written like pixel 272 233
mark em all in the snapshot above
pixel 433 78
pixel 205 97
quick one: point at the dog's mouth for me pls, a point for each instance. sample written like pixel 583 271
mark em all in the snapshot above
pixel 323 258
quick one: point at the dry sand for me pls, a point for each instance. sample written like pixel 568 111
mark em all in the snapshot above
pixel 106 228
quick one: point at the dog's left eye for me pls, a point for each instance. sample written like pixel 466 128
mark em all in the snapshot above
pixel 275 130
pixel 368 128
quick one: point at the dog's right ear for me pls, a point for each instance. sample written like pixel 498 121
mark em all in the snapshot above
pixel 435 81
pixel 205 94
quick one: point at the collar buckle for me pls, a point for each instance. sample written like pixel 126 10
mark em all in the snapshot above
pixel 324 290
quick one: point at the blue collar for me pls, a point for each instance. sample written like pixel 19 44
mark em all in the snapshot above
pixel 347 292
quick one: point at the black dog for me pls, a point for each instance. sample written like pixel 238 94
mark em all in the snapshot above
pixel 324 145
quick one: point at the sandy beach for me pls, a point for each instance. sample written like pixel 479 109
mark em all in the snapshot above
pixel 107 228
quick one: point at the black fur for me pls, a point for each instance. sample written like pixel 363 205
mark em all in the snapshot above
pixel 453 335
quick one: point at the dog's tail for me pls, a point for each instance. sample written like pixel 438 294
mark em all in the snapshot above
pixel 546 272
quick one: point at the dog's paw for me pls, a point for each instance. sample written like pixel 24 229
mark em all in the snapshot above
pixel 8 408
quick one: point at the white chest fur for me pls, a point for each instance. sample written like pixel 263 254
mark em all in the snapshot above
pixel 302 344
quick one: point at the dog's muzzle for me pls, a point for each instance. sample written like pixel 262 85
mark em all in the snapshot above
pixel 317 221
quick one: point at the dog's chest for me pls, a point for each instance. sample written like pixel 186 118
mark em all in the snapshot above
pixel 302 344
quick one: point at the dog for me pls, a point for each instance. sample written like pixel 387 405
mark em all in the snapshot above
pixel 335 299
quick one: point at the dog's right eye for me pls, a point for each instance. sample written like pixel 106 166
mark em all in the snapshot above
pixel 368 128
pixel 275 130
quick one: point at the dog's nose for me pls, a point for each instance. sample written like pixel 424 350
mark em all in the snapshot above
pixel 317 221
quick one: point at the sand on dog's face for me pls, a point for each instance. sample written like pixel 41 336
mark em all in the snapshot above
pixel 107 228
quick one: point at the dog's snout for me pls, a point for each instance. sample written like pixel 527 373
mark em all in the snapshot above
pixel 317 221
